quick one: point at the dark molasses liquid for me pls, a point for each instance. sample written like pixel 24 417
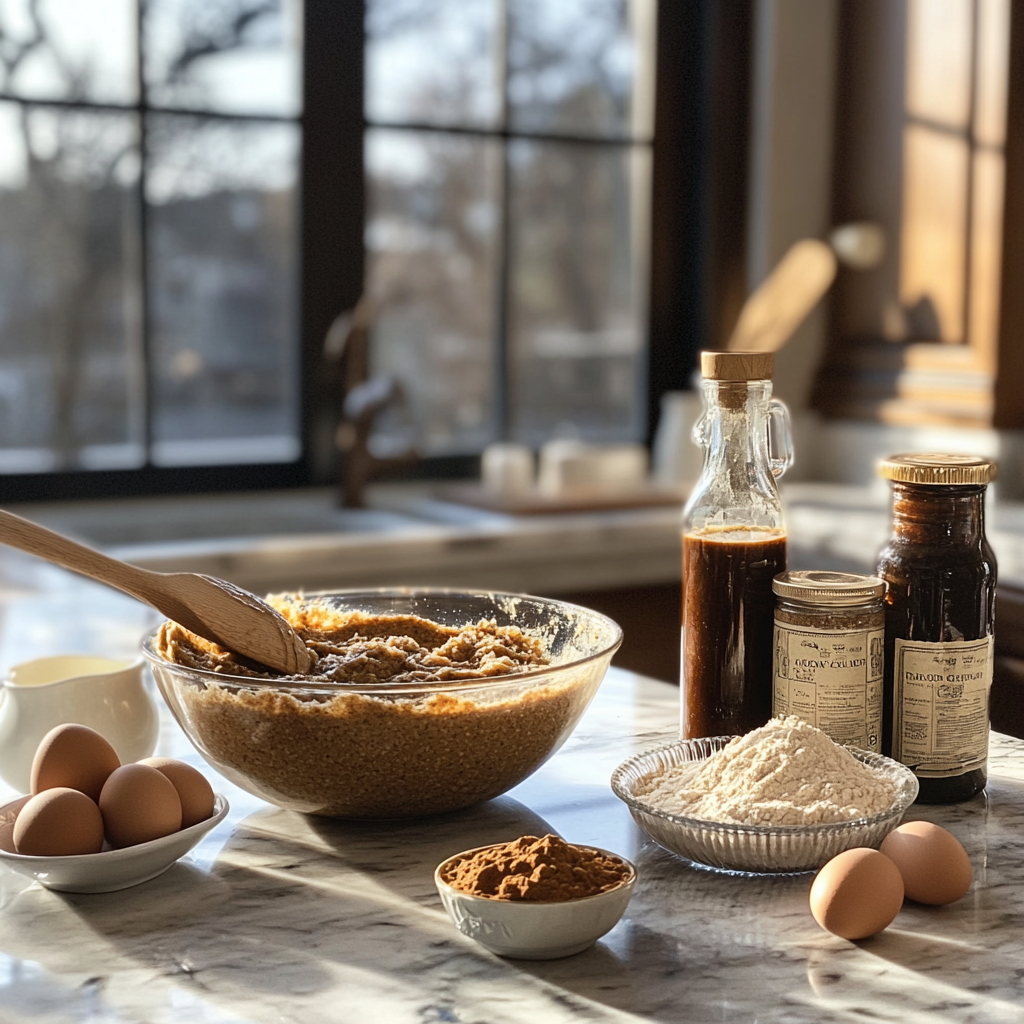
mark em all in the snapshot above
pixel 728 623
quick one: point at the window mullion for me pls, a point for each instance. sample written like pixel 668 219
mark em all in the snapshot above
pixel 503 355
pixel 146 381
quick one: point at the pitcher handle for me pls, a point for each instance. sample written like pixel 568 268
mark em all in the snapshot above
pixel 699 434
pixel 780 438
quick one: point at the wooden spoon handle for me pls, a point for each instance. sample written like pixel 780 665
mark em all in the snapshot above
pixel 785 298
pixel 214 609
pixel 37 540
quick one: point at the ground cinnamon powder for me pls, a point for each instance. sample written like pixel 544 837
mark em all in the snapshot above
pixel 538 870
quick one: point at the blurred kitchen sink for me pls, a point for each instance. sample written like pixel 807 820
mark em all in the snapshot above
pixel 272 541
pixel 198 518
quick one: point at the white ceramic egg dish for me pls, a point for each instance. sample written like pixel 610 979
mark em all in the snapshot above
pixel 108 870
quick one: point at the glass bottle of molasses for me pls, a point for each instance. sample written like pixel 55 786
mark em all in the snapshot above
pixel 734 544
pixel 940 576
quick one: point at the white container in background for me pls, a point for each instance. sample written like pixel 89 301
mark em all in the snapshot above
pixel 676 458
pixel 563 468
pixel 507 468
pixel 105 694
pixel 569 468
pixel 621 468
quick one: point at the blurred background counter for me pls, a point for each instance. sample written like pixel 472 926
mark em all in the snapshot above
pixel 626 563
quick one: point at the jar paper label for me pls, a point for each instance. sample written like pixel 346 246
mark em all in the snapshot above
pixel 832 679
pixel 940 706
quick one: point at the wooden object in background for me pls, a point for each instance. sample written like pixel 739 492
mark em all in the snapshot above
pixel 930 128
pixel 651 619
pixel 1009 383
pixel 1006 702
pixel 214 609
pixel 781 303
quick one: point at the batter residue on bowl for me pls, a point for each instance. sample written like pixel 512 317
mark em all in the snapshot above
pixel 355 647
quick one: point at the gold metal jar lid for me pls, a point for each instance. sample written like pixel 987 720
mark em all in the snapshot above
pixel 737 365
pixel 937 469
pixel 828 588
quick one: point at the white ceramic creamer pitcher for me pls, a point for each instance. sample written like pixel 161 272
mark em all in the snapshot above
pixel 105 694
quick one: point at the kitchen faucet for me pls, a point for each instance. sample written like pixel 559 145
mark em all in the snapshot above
pixel 364 398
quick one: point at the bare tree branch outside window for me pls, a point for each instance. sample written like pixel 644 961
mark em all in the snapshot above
pixel 100 200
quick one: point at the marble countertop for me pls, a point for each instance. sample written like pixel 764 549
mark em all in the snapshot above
pixel 279 917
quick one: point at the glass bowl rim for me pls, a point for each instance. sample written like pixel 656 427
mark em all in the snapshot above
pixel 906 794
pixel 418 687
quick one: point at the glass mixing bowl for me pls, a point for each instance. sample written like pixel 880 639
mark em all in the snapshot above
pixel 392 750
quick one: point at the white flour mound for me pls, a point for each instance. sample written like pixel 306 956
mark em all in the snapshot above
pixel 785 773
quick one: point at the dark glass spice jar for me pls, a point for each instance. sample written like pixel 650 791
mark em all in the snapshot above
pixel 940 576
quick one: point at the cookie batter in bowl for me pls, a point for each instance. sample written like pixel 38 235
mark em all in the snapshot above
pixel 469 697
pixel 358 647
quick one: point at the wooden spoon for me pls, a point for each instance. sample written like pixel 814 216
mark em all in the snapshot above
pixel 782 301
pixel 214 609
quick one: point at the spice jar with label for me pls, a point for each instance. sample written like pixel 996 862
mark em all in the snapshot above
pixel 734 544
pixel 828 653
pixel 940 576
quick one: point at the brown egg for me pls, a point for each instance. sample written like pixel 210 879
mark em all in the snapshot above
pixel 8 816
pixel 139 804
pixel 58 822
pixel 194 792
pixel 856 894
pixel 934 866
pixel 75 757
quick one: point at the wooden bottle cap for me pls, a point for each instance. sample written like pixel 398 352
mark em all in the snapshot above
pixel 737 365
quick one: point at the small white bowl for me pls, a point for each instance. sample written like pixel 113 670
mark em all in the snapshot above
pixel 108 870
pixel 529 930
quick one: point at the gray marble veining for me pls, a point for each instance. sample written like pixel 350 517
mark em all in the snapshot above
pixel 281 917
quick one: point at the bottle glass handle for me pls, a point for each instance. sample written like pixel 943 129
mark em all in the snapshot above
pixel 699 434
pixel 780 438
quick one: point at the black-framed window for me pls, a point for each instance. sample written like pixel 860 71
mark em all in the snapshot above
pixel 508 161
pixel 149 237
pixel 698 144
